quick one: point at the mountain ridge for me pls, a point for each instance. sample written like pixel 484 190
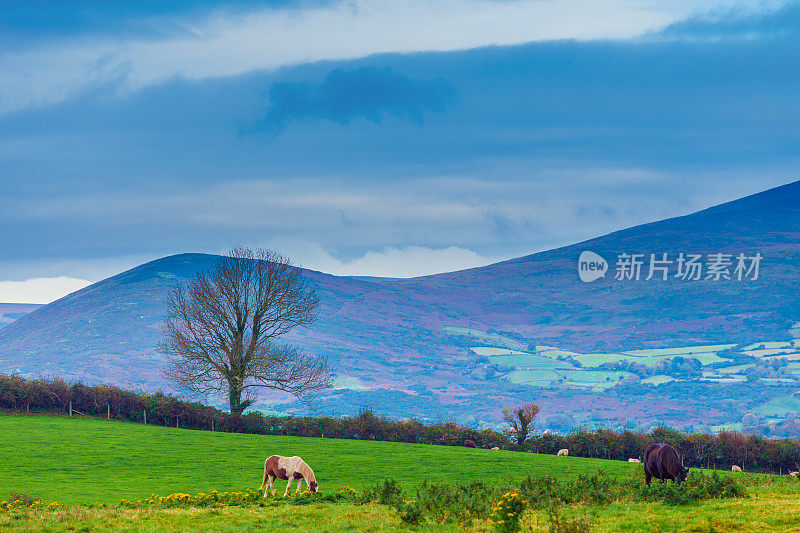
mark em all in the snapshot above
pixel 424 345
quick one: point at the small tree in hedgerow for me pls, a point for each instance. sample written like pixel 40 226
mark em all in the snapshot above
pixel 223 328
pixel 520 419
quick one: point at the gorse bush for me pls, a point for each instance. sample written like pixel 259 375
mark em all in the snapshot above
pixel 455 502
pixel 463 503
pixel 506 512
pixel 202 499
pixel 387 492
pixel 593 489
pixel 24 502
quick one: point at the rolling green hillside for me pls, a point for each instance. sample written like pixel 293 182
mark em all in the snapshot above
pixel 76 460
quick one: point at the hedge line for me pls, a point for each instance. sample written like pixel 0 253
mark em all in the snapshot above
pixel 721 450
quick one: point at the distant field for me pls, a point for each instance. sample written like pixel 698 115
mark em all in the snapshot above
pixel 685 351
pixel 780 406
pixel 658 379
pixel 491 351
pixel 538 378
pixel 75 460
pixel 529 361
pixel 490 338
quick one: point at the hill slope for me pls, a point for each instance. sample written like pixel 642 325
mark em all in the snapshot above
pixel 466 343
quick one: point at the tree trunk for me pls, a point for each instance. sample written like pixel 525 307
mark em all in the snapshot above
pixel 522 435
pixel 235 397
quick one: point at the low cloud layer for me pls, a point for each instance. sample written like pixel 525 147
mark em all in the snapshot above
pixel 389 262
pixel 39 290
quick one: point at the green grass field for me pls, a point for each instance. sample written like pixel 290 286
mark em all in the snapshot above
pixel 77 461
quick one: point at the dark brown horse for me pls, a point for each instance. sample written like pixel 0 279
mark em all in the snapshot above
pixel 661 461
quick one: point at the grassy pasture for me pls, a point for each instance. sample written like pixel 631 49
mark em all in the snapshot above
pixel 554 353
pixel 76 460
pixel 779 406
pixel 529 361
pixel 767 345
pixel 658 379
pixel 538 378
pixel 493 339
pixel 687 351
pixel 492 351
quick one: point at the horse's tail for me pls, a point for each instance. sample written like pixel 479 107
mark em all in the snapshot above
pixel 264 484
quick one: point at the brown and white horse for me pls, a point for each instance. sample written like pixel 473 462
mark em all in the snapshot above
pixel 289 468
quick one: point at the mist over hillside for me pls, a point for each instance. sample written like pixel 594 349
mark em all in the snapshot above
pixel 707 352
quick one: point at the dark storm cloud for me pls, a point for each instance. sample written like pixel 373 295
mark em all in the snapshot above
pixel 366 93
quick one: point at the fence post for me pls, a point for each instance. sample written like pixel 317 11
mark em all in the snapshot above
pixel 145 416
pixel 108 411
pixel 176 422
pixel 70 408
pixel 212 424
pixel 28 408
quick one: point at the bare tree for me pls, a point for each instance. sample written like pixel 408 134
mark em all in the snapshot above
pixel 520 418
pixel 221 335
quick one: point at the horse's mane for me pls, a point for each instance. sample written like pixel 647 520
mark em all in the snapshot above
pixel 304 469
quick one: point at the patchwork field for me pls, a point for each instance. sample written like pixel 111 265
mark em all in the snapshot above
pixel 85 462
pixel 552 368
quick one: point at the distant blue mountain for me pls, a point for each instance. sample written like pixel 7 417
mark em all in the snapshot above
pixel 464 344
pixel 9 312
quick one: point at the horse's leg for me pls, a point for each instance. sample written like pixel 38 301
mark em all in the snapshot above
pixel 647 477
pixel 270 487
pixel 288 487
pixel 299 484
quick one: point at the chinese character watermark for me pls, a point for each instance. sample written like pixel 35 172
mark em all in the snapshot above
pixel 663 266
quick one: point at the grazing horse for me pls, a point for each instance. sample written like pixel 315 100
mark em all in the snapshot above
pixel 289 468
pixel 736 468
pixel 563 452
pixel 661 462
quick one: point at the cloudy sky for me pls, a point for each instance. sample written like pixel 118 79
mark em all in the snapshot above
pixel 387 138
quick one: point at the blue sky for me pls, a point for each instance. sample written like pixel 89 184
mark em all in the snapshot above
pixel 376 138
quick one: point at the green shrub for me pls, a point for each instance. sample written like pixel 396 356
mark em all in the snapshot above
pixel 387 492
pixel 558 522
pixel 595 489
